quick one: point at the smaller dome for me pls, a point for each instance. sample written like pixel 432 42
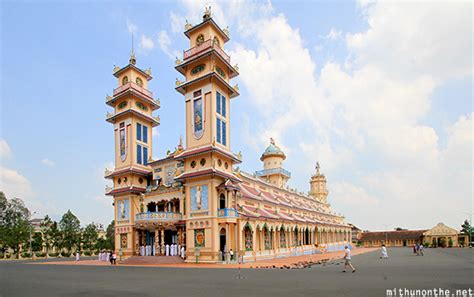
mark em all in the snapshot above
pixel 272 150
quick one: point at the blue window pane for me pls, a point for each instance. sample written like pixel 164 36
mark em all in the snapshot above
pixel 224 134
pixel 139 132
pixel 145 156
pixel 145 134
pixel 223 105
pixel 139 154
pixel 218 102
pixel 218 130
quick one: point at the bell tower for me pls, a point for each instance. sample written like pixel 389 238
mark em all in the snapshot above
pixel 132 118
pixel 273 171
pixel 208 178
pixel 318 185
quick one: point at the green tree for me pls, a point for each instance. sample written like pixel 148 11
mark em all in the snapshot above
pixel 37 242
pixel 70 228
pixel 15 224
pixel 46 225
pixel 89 237
pixel 467 229
pixel 110 236
pixel 3 207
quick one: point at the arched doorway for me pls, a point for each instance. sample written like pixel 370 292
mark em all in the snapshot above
pixel 222 201
pixel 151 207
pixel 222 240
pixel 248 238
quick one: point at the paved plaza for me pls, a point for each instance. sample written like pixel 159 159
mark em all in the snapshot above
pixel 439 269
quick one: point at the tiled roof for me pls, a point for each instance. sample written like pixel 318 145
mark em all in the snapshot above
pixel 392 235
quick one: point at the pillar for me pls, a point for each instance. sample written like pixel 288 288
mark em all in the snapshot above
pixel 162 250
pixel 157 244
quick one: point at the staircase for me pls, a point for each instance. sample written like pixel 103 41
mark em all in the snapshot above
pixel 152 260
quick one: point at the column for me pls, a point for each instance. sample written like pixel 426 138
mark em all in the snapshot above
pixel 157 243
pixel 137 243
pixel 162 252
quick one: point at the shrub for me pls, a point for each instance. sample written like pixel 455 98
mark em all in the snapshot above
pixel 451 243
pixel 40 254
pixel 2 255
pixel 426 244
pixel 87 253
pixel 66 254
pixel 25 255
pixel 53 254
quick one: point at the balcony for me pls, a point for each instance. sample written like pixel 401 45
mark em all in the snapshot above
pixel 134 86
pixel 158 216
pixel 206 45
pixel 227 213
pixel 155 120
pixel 279 170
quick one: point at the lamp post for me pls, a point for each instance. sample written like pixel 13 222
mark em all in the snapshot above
pixel 31 227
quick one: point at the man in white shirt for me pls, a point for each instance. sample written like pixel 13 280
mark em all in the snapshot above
pixel 347 258
pixel 384 252
pixel 167 250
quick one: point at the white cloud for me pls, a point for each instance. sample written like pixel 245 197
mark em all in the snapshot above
pixel 334 34
pixel 164 42
pixel 131 27
pixel 410 39
pixel 177 22
pixel 15 185
pixel 48 162
pixel 5 151
pixel 146 43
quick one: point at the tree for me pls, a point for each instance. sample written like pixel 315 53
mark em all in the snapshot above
pixel 3 207
pixel 89 236
pixel 46 226
pixel 15 224
pixel 110 236
pixel 37 242
pixel 399 229
pixel 467 229
pixel 70 228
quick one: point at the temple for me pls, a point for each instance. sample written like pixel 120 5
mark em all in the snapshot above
pixel 196 197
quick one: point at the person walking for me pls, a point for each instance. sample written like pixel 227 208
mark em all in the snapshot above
pixel 114 258
pixel 77 256
pixel 347 259
pixel 384 252
pixel 422 248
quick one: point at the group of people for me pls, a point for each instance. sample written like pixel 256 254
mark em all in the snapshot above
pixel 418 249
pixel 108 256
pixel 169 250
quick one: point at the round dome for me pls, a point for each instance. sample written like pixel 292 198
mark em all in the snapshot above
pixel 272 150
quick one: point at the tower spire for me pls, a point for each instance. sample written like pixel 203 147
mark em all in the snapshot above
pixel 133 60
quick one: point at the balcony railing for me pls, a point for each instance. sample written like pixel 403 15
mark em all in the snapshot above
pixel 158 216
pixel 227 213
pixel 273 171
pixel 204 46
pixel 134 86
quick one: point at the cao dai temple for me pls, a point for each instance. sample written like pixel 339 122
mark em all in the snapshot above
pixel 195 197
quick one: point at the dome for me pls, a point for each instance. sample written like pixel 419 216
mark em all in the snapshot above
pixel 272 150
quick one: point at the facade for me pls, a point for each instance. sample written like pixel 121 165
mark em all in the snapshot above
pixel 438 236
pixel 194 197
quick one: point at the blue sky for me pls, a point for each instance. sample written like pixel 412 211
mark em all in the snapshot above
pixel 379 93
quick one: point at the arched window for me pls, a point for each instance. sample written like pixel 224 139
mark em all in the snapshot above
pixel 222 203
pixel 139 82
pixel 200 39
pixel 267 238
pixel 282 237
pixel 124 80
pixel 151 207
pixel 248 238
pixel 216 41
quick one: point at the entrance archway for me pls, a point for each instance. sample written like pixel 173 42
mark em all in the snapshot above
pixel 222 241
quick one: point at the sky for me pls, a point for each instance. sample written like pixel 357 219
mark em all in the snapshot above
pixel 380 93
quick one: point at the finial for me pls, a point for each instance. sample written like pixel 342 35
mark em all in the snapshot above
pixel 187 26
pixel 180 141
pixel 272 141
pixel 207 13
pixel 317 167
